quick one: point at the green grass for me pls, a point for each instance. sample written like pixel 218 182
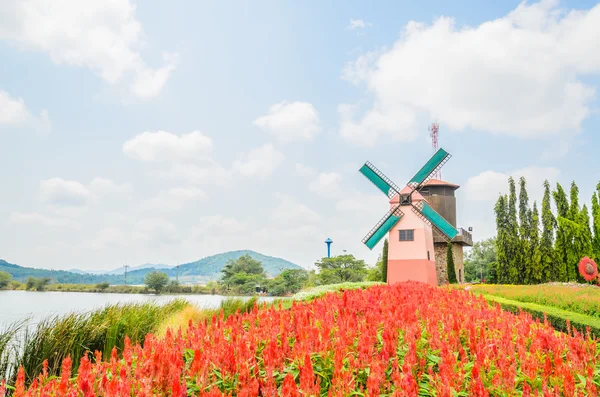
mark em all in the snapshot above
pixel 577 298
pixel 558 318
pixel 74 334
pixel 315 292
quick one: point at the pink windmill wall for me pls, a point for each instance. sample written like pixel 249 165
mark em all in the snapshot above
pixel 411 260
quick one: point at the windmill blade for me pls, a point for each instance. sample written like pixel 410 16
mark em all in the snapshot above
pixel 383 226
pixel 434 219
pixel 378 179
pixel 434 164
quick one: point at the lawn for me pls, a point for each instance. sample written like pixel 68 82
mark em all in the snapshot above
pixel 405 340
pixel 577 298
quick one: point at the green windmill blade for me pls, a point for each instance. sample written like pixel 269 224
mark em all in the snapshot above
pixel 435 163
pixel 383 226
pixel 434 219
pixel 378 179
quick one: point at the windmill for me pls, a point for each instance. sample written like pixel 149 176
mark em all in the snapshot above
pixel 410 256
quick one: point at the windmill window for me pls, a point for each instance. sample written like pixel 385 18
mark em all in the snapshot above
pixel 407 235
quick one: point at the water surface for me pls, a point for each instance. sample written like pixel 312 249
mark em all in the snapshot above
pixel 19 305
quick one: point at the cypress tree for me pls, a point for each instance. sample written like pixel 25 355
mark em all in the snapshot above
pixel 563 232
pixel 384 259
pixel 450 263
pixel 534 253
pixel 549 271
pixel 501 240
pixel 513 246
pixel 596 223
pixel 523 259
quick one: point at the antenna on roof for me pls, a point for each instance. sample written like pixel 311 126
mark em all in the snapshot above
pixel 434 131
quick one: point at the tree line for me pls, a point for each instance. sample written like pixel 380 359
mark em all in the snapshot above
pixel 538 245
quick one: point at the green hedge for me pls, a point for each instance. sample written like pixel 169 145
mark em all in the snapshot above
pixel 556 317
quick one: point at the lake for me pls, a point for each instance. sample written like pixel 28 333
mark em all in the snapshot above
pixel 18 305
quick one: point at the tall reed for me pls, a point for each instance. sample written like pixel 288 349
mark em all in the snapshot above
pixel 74 334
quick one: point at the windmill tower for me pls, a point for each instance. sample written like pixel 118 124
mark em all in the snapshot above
pixel 412 224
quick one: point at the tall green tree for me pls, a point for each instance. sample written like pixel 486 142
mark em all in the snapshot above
pixel 523 260
pixel 384 261
pixel 502 240
pixel 596 223
pixel 243 274
pixel 450 263
pixel 513 237
pixel 156 281
pixel 549 272
pixel 535 272
pixel 341 269
pixel 563 234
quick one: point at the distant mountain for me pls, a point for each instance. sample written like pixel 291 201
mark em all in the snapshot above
pixel 200 271
pixel 121 270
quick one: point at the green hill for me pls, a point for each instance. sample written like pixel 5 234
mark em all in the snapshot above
pixel 200 271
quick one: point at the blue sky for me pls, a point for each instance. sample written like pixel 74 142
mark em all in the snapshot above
pixel 157 132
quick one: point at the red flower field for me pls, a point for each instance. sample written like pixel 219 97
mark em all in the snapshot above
pixel 405 340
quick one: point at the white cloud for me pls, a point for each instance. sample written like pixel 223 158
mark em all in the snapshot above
pixel 327 184
pixel 165 146
pixel 260 162
pixel 173 199
pixel 13 112
pixel 101 186
pixel 519 75
pixel 488 185
pixel 104 36
pixel 155 231
pixel 291 121
pixel 208 172
pixel 60 192
pixel 37 218
pixel 290 211
pixel 213 225
pixel 304 170
pixel 358 24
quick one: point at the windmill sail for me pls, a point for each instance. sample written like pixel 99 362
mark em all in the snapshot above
pixel 378 179
pixel 436 220
pixel 383 226
pixel 434 164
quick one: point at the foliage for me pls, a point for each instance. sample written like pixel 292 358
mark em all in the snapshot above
pixel 502 241
pixel 5 279
pixel 289 281
pixel 102 286
pixel 478 260
pixel 562 234
pixel 547 241
pixel 596 223
pixel 156 281
pixel 59 337
pixel 450 264
pixel 341 269
pixel 523 260
pixel 528 255
pixel 533 253
pixel 243 275
pixel 384 261
pixel 359 342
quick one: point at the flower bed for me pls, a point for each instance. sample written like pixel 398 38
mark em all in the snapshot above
pixel 405 340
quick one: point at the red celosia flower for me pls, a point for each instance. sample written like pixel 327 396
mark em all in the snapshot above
pixel 588 269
